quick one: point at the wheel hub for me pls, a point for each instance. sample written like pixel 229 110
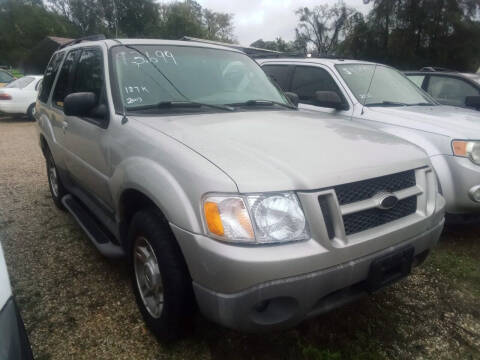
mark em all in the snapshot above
pixel 148 277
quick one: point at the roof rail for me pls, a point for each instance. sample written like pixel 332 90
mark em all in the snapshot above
pixel 82 39
pixel 298 55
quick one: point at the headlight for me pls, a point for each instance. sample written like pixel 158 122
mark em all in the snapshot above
pixel 250 219
pixel 470 149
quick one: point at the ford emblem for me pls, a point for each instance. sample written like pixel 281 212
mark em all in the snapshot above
pixel 387 201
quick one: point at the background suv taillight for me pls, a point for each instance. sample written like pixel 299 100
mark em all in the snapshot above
pixel 5 97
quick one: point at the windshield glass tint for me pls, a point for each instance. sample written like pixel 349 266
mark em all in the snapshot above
pixel 387 86
pixel 20 83
pixel 155 74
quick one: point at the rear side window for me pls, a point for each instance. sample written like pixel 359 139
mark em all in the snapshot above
pixel 280 74
pixel 49 76
pixel 307 80
pixel 65 78
pixel 89 73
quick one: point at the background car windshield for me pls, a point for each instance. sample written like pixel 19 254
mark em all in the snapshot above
pixel 5 77
pixel 20 83
pixel 156 74
pixel 388 85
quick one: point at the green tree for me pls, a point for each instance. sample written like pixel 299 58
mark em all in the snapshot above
pixel 25 23
pixel 281 45
pixel 323 27
pixel 410 34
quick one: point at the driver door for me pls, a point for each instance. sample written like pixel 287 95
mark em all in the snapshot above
pixel 86 138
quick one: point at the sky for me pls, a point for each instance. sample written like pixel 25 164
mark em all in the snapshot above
pixel 268 19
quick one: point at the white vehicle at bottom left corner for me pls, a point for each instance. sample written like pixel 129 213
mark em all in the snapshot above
pixel 19 96
pixel 14 343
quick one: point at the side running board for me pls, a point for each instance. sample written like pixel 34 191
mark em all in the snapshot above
pixel 100 237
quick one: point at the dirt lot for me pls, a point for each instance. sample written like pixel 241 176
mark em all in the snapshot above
pixel 78 305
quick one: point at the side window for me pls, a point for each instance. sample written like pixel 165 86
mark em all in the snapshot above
pixel 89 73
pixel 65 78
pixel 449 90
pixel 49 76
pixel 307 80
pixel 417 79
pixel 280 74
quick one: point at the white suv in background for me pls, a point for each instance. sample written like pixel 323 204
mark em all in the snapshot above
pixel 383 97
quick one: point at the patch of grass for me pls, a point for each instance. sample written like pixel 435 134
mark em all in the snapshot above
pixel 462 269
pixel 363 347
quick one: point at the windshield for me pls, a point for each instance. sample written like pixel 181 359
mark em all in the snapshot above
pixel 388 86
pixel 20 83
pixel 155 74
pixel 5 77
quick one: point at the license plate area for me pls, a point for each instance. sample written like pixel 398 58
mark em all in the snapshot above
pixel 390 268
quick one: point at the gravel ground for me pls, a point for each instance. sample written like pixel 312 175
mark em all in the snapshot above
pixel 78 305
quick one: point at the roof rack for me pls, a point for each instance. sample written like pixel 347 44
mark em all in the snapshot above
pixel 436 69
pixel 249 50
pixel 82 39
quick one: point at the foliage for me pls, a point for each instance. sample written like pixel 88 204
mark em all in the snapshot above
pixel 281 45
pixel 24 23
pixel 323 26
pixel 410 34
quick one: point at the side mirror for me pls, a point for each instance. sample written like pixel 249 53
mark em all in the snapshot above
pixel 473 101
pixel 328 99
pixel 79 104
pixel 292 97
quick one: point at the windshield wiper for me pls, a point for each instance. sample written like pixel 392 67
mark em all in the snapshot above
pixel 179 104
pixel 388 103
pixel 261 103
pixel 422 104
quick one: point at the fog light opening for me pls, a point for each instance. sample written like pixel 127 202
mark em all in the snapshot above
pixel 474 193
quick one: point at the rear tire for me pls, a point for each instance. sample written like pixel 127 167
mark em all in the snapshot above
pixel 31 112
pixel 54 183
pixel 160 278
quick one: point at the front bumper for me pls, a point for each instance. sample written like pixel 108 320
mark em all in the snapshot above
pixel 457 176
pixel 285 302
pixel 14 342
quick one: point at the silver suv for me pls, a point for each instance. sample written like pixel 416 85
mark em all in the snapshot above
pixel 382 97
pixel 185 158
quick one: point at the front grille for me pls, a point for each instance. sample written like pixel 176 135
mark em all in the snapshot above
pixel 365 189
pixel 370 218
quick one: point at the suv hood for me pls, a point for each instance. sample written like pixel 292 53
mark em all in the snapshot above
pixel 289 150
pixel 446 120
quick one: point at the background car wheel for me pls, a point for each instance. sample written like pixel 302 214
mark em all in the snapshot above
pixel 160 278
pixel 54 183
pixel 31 112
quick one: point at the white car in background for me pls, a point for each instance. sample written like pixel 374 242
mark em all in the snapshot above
pixel 14 342
pixel 19 96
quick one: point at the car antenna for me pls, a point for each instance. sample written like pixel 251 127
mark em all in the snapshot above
pixel 368 90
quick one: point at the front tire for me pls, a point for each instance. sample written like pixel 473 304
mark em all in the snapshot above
pixel 54 183
pixel 160 278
